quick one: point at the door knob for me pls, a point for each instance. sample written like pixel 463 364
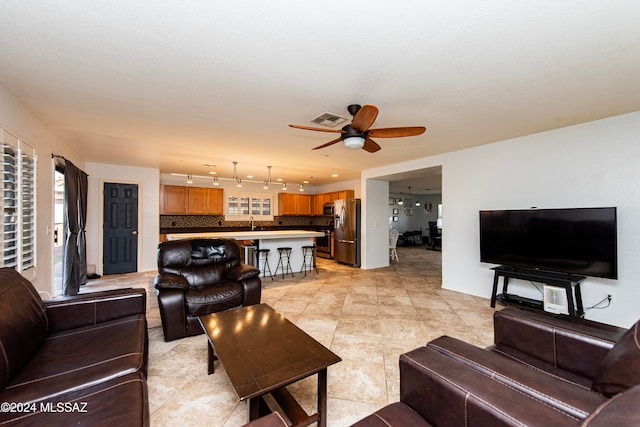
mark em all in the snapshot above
pixel 134 232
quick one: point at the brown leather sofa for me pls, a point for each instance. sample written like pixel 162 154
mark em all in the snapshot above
pixel 79 360
pixel 541 371
pixel 201 276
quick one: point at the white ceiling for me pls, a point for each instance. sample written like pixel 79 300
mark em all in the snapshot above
pixel 176 85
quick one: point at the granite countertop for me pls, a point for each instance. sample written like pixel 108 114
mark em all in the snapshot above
pixel 248 234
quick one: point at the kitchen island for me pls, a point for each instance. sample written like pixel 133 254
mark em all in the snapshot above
pixel 264 239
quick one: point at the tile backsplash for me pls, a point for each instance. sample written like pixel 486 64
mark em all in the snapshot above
pixel 212 221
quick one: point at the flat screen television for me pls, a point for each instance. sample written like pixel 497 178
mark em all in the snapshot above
pixel 578 241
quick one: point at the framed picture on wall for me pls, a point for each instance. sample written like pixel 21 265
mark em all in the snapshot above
pixel 395 219
pixel 395 211
pixel 392 201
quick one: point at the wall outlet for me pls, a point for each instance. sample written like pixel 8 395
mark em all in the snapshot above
pixel 610 295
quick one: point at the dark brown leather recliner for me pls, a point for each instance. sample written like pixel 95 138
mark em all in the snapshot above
pixel 201 276
pixel 540 371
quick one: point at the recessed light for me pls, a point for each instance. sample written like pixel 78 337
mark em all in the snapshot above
pixel 335 175
pixel 279 180
pixel 249 176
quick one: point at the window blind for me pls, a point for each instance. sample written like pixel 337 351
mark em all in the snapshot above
pixel 18 245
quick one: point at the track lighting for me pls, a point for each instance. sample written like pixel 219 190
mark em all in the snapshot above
pixel 268 181
pixel 238 181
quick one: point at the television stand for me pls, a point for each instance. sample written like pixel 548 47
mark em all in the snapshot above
pixel 570 283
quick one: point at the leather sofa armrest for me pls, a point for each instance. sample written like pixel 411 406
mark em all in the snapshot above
pixel 242 272
pixel 170 281
pixel 577 347
pixel 252 291
pixel 93 308
pixel 620 410
pixel 447 393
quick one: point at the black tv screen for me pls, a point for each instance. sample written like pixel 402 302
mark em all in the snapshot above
pixel 578 241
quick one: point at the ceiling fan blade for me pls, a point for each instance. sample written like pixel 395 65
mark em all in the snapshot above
pixel 370 145
pixel 396 132
pixel 328 143
pixel 318 129
pixel 365 117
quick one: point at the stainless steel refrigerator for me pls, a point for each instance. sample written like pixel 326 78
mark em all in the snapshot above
pixel 347 231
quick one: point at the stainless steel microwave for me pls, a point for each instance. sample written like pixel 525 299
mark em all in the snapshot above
pixel 327 209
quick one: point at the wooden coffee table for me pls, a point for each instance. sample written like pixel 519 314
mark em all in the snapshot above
pixel 262 352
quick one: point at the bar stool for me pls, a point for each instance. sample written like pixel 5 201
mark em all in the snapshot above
pixel 284 262
pixel 309 252
pixel 263 255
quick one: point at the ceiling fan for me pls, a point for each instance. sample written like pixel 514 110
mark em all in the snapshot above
pixel 358 135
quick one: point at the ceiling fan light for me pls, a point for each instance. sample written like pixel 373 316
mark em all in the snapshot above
pixel 354 142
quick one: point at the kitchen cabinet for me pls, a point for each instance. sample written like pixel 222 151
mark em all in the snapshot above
pixel 329 197
pixel 307 204
pixel 204 201
pixel 181 200
pixel 216 201
pixel 346 194
pixel 287 204
pixel 335 195
pixel 304 204
pixel 197 200
pixel 173 200
pixel 294 204
pixel 317 204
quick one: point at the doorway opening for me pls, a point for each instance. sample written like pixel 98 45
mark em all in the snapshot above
pixel 58 229
pixel 416 210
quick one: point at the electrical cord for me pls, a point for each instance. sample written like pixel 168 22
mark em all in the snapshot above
pixel 595 306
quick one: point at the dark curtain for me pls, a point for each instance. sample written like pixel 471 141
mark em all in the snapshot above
pixel 74 272
pixel 82 226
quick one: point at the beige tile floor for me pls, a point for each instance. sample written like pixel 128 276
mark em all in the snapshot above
pixel 367 317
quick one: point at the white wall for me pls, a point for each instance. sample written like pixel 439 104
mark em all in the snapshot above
pixel 375 224
pixel 15 118
pixel 587 165
pixel 148 181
